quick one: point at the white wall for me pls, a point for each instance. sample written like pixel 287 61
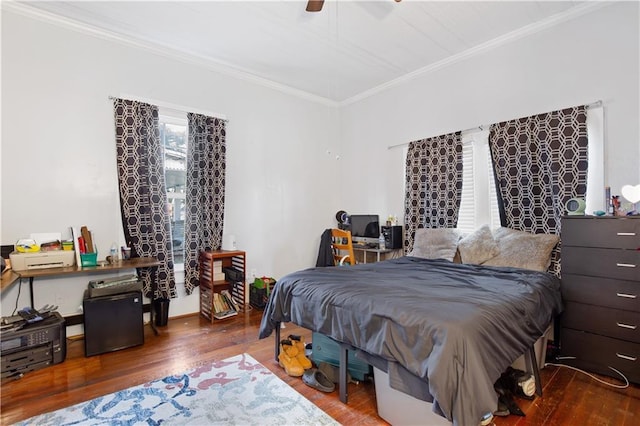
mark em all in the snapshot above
pixel 591 57
pixel 59 158
pixel 284 183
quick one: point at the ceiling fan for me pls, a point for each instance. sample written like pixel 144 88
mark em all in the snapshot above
pixel 316 5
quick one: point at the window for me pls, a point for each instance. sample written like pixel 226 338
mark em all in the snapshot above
pixel 479 201
pixel 173 137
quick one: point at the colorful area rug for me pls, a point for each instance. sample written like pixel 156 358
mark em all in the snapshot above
pixel 235 391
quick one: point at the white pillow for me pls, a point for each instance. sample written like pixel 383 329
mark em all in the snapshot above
pixel 478 247
pixel 435 243
pixel 524 250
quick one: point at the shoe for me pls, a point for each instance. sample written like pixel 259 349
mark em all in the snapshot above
pixel 333 373
pixel 519 383
pixel 316 379
pixel 525 383
pixel 287 346
pixel 502 409
pixel 297 342
pixel 287 359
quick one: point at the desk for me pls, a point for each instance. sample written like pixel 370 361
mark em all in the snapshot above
pixel 141 262
pixel 387 253
pixel 9 276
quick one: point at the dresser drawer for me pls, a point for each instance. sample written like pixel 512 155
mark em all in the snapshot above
pixel 598 262
pixel 601 232
pixel 624 325
pixel 611 293
pixel 602 352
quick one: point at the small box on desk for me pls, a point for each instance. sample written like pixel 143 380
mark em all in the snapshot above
pixel 89 259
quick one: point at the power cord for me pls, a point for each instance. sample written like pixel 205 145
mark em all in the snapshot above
pixel 17 297
pixel 613 385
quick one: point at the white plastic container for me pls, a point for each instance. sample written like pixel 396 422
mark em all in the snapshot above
pixel 399 408
pixel 540 348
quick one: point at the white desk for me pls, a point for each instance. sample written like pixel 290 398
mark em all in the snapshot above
pixel 388 253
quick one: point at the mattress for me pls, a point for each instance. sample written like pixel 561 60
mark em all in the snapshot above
pixel 444 332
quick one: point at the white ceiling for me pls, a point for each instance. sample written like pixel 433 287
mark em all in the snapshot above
pixel 348 50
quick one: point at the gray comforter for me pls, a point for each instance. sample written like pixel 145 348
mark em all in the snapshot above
pixel 455 327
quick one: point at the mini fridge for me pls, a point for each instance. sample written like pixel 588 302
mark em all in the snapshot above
pixel 112 322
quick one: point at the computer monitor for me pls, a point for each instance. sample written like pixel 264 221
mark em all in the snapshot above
pixel 365 228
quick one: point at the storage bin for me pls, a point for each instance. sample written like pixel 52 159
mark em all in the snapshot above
pixel 540 349
pixel 399 408
pixel 89 259
pixel 258 297
pixel 233 274
pixel 327 350
pixel 161 310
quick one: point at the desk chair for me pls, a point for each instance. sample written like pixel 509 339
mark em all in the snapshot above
pixel 342 247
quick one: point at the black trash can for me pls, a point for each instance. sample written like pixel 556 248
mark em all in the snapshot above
pixel 161 307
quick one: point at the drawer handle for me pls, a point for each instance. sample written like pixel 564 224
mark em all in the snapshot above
pixel 627 357
pixel 627 296
pixel 629 326
pixel 627 234
pixel 626 265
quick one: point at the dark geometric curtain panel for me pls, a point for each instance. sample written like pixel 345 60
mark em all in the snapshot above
pixel 143 198
pixel 433 184
pixel 206 166
pixel 540 162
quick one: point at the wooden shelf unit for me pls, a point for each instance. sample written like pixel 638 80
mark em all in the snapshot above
pixel 211 265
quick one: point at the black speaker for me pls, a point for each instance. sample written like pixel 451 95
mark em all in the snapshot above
pixel 392 236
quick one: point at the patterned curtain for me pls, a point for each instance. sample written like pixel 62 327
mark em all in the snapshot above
pixel 206 154
pixel 433 184
pixel 143 198
pixel 540 162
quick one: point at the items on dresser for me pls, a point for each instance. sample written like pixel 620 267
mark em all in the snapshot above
pixel 31 346
pixel 600 325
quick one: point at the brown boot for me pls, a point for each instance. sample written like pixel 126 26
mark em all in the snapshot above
pixel 288 360
pixel 302 358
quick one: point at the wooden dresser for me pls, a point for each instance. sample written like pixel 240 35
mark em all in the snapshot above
pixel 600 325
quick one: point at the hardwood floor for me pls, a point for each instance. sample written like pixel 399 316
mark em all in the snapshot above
pixel 570 398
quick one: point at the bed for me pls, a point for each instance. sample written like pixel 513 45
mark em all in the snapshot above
pixel 442 331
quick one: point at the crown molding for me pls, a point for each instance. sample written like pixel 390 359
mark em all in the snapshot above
pixel 525 31
pixel 186 57
pixel 246 75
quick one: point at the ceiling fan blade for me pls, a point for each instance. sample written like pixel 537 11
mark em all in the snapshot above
pixel 314 5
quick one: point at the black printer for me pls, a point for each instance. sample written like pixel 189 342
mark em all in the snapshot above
pixel 33 346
